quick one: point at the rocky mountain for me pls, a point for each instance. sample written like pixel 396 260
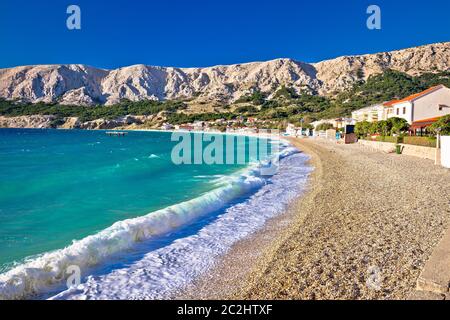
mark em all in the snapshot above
pixel 83 85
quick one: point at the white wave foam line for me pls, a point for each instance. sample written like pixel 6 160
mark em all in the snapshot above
pixel 38 275
pixel 161 273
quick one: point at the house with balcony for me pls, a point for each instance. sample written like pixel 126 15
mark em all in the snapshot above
pixel 424 108
pixel 371 114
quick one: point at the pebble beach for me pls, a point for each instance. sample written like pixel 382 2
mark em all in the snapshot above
pixel 363 230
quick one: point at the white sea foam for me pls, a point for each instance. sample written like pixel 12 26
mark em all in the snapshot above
pixel 163 270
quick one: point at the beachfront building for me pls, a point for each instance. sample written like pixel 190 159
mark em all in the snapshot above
pixel 337 123
pixel 372 113
pixel 425 106
pixel 343 122
pixel 376 112
pixel 291 130
pixel 388 109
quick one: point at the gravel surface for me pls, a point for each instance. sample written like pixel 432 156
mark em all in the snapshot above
pixel 373 222
pixel 364 230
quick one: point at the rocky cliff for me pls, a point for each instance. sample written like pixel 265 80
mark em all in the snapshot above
pixel 83 85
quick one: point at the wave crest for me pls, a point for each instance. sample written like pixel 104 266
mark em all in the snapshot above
pixel 38 275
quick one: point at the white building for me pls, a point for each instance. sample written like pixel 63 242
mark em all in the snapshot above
pixel 337 123
pixel 429 104
pixel 371 114
pixel 291 130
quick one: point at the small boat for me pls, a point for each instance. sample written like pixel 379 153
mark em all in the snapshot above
pixel 116 133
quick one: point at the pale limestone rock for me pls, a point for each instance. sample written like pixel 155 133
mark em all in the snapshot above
pixel 35 121
pixel 83 85
pixel 71 123
pixel 341 73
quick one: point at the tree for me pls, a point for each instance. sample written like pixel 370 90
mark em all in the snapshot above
pixel 362 129
pixel 398 125
pixel 384 127
pixel 443 124
pixel 373 128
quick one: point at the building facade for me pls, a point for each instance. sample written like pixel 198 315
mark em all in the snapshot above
pixel 432 103
pixel 371 114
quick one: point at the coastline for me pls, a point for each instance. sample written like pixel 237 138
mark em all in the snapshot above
pixel 370 239
pixel 229 278
pixel 143 227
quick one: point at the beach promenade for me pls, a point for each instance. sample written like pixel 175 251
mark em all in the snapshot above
pixel 364 230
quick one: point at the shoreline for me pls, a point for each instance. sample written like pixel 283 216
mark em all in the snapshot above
pixel 277 137
pixel 369 240
pixel 231 272
pixel 144 224
pixel 362 227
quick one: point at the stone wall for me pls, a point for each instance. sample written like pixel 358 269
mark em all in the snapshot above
pixel 419 151
pixel 407 149
pixel 378 146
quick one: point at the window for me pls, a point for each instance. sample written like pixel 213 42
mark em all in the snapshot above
pixel 398 111
pixel 404 110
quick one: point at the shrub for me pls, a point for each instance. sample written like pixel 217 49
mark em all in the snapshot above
pixel 420 141
pixel 257 98
pixel 390 139
pixel 398 125
pixel 246 110
pixel 362 129
pixel 443 124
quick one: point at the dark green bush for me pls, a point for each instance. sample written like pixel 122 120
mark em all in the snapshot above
pixel 420 141
pixel 390 139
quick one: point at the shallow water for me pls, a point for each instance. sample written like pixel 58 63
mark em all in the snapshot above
pixel 131 210
pixel 57 186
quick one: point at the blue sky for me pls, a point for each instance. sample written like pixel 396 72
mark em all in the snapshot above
pixel 195 33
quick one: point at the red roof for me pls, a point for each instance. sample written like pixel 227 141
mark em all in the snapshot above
pixel 428 120
pixel 424 122
pixel 390 103
pixel 420 94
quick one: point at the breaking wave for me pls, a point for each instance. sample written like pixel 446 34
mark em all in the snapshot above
pixel 39 274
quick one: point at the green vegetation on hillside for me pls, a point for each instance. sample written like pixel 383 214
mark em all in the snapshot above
pixel 380 88
pixel 179 118
pixel 257 98
pixel 286 105
pixel 88 113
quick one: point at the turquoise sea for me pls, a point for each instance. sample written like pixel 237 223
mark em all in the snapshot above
pixel 79 197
